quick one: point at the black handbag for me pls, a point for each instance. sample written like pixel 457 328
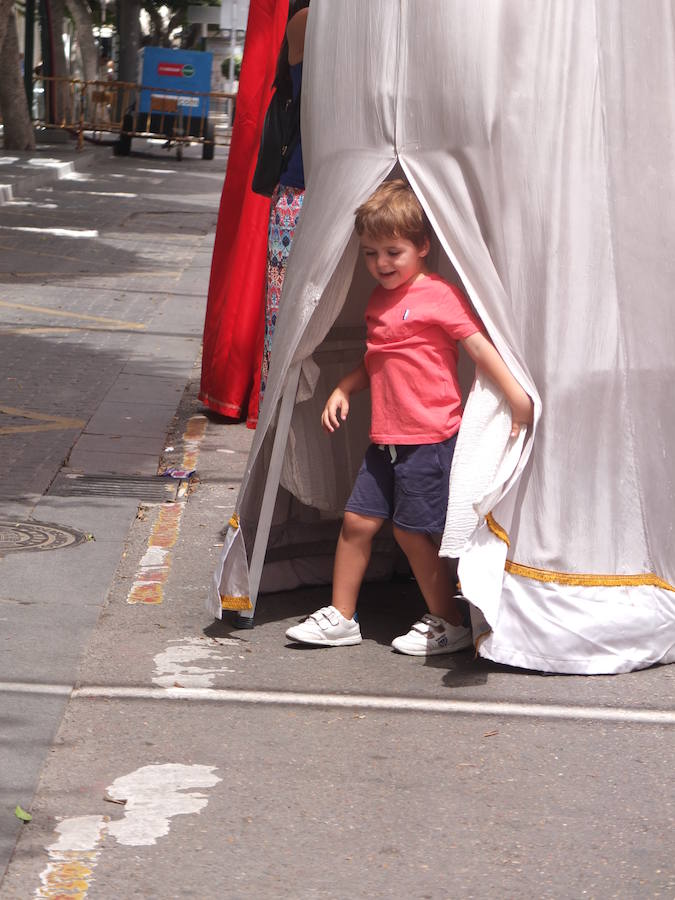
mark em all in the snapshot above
pixel 280 136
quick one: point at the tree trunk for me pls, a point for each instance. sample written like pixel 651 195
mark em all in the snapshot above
pixel 6 7
pixel 129 30
pixel 18 129
pixel 129 39
pixel 57 93
pixel 79 10
pixel 157 23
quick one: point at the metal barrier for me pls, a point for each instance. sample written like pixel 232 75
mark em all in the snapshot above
pixel 92 108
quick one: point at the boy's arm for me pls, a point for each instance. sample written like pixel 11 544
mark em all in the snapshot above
pixel 483 352
pixel 338 402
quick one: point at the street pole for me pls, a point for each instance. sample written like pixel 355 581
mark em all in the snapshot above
pixel 28 53
pixel 233 40
pixel 47 39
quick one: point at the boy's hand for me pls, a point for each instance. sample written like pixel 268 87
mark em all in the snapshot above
pixel 522 412
pixel 335 410
pixel 483 352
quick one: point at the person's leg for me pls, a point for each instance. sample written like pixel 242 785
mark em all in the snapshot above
pixel 367 508
pixel 337 625
pixel 432 574
pixel 285 208
pixel 351 559
pixel 422 475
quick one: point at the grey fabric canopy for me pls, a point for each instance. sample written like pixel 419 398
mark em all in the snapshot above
pixel 540 139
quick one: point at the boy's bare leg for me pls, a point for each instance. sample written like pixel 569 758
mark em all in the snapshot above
pixel 432 574
pixel 351 560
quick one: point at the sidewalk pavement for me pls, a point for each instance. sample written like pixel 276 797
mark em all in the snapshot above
pixel 103 283
pixel 179 758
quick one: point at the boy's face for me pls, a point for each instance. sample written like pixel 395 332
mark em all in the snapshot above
pixel 394 262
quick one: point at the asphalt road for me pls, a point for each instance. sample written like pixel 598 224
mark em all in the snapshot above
pixel 163 755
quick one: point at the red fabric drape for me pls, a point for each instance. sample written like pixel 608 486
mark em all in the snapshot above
pixel 234 324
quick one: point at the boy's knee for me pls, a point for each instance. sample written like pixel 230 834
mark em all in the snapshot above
pixel 356 527
pixel 405 538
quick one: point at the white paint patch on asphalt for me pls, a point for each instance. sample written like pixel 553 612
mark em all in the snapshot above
pixel 79 833
pixel 155 794
pixel 176 665
pixel 154 556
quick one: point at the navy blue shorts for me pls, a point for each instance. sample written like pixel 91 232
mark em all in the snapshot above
pixel 412 490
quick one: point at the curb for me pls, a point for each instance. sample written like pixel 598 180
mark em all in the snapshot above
pixel 29 170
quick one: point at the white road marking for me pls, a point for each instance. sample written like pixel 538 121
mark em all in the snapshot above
pixel 108 193
pixel 20 687
pixel 57 232
pixel 357 701
pixel 173 664
pixel 31 203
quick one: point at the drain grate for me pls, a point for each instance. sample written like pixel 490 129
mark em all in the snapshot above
pixel 149 488
pixel 32 535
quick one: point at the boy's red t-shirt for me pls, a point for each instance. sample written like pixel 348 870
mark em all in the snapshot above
pixel 411 360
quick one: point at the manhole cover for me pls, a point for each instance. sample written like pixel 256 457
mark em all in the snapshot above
pixel 31 535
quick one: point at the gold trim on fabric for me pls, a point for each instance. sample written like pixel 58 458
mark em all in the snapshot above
pixel 234 521
pixel 574 578
pixel 497 529
pixel 587 580
pixel 230 601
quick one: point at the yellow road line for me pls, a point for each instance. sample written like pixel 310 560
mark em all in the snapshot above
pixel 50 423
pixel 11 248
pixel 59 329
pixel 32 429
pixel 71 315
pixel 150 273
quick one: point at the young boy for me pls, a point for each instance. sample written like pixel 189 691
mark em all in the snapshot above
pixel 414 320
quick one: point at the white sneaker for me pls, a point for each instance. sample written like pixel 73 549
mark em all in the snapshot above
pixel 433 635
pixel 326 628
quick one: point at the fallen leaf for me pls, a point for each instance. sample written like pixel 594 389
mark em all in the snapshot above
pixel 90 537
pixel 22 814
pixel 106 796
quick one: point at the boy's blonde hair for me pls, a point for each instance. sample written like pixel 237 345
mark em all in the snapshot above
pixel 393 211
